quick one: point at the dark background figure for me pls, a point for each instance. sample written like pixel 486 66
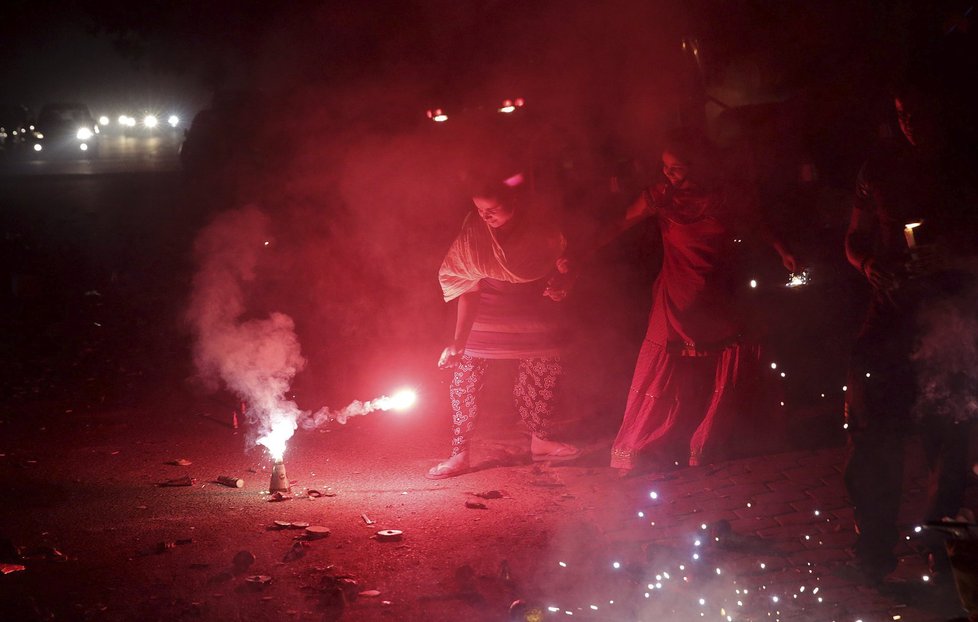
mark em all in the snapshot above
pixel 916 272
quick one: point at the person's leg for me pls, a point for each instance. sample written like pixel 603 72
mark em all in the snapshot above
pixel 739 419
pixel 945 444
pixel 651 426
pixel 467 383
pixel 874 480
pixel 880 393
pixel 535 390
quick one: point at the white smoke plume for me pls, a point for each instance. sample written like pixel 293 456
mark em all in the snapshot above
pixel 946 358
pixel 399 401
pixel 254 358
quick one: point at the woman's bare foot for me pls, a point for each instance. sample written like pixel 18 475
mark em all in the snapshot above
pixel 456 465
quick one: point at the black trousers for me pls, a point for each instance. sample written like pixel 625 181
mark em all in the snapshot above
pixel 880 399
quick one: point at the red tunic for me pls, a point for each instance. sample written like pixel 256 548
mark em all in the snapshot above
pixel 685 390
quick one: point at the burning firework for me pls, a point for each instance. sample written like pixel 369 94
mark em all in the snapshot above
pixel 284 423
pixel 402 400
pixel 256 358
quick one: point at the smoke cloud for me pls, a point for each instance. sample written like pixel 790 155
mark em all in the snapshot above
pixel 255 358
pixel 947 356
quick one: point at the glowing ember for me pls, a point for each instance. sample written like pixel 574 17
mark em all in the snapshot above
pixel 281 422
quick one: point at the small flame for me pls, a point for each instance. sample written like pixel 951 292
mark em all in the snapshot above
pixel 913 225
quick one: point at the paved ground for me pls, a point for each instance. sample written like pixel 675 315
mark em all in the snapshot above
pixel 570 537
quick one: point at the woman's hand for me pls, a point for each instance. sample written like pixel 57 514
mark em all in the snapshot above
pixel 880 276
pixel 449 357
pixel 926 259
pixel 558 287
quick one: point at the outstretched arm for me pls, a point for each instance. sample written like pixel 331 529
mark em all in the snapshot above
pixel 638 211
pixel 569 265
pixel 788 259
pixel 468 305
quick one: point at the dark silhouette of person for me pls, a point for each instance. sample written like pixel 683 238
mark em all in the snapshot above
pixel 912 234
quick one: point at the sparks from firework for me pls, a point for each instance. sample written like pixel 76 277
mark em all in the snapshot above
pixel 799 279
pixel 256 358
pixel 282 424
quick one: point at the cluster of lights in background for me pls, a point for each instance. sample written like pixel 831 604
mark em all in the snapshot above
pixel 507 106
pixel 149 121
pixel 85 135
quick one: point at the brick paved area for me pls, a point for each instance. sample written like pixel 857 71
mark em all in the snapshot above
pixel 762 538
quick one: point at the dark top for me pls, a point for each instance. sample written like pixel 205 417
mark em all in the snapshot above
pixel 898 187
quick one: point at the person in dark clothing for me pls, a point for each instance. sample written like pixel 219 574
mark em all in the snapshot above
pixel 912 235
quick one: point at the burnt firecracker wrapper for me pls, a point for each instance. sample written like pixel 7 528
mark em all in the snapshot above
pixel 228 480
pixel 389 535
pixel 259 580
pixel 315 532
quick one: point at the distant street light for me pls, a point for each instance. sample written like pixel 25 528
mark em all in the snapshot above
pixel 437 115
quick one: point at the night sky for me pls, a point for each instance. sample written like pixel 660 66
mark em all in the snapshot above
pixel 177 53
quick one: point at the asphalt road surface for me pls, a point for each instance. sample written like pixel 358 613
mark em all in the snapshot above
pixel 115 154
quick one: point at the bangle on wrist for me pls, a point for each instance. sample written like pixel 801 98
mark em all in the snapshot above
pixel 864 262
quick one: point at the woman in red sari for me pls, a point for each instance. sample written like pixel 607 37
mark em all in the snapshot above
pixel 694 368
